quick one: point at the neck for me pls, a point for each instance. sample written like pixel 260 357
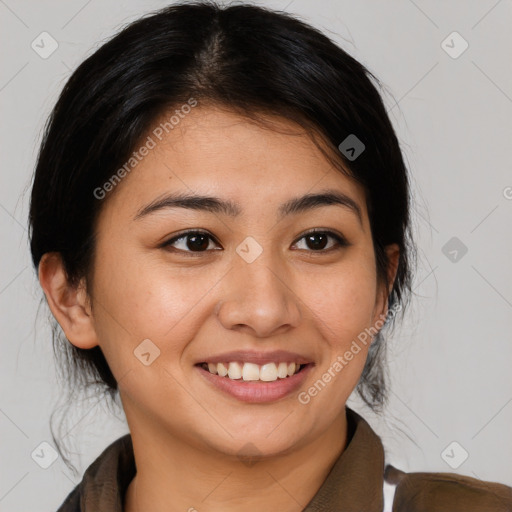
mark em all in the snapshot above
pixel 171 473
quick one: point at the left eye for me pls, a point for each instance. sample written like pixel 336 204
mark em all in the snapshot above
pixel 198 241
pixel 318 240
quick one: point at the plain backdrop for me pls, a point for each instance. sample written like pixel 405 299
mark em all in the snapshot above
pixel 451 384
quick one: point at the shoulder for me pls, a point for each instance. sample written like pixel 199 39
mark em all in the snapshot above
pixel 105 480
pixel 72 502
pixel 446 492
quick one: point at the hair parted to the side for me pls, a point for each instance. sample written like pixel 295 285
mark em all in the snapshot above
pixel 248 59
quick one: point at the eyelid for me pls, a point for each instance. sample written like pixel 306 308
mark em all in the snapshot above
pixel 325 231
pixel 168 245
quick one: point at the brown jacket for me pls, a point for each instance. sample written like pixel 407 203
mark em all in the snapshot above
pixel 354 484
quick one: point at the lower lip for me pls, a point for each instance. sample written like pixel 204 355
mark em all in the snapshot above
pixel 257 391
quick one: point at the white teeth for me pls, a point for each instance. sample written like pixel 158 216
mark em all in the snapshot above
pixel 268 372
pixel 250 371
pixel 235 371
pixel 221 369
pixel 282 370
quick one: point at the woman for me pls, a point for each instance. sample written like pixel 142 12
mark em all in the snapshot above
pixel 220 224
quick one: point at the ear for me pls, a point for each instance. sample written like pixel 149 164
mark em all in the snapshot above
pixel 69 305
pixel 381 304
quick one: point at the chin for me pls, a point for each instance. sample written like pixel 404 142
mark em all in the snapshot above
pixel 256 441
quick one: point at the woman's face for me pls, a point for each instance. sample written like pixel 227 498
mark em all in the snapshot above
pixel 252 291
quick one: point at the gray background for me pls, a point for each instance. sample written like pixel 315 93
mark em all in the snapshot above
pixel 449 363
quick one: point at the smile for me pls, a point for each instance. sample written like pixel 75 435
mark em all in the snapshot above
pixel 268 372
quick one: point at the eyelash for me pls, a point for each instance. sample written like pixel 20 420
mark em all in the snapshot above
pixel 340 240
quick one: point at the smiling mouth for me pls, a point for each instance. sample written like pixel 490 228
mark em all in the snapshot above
pixel 251 372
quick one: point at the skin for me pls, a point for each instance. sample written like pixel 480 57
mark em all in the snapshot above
pixel 189 437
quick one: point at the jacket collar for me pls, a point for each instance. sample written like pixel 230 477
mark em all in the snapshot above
pixel 354 483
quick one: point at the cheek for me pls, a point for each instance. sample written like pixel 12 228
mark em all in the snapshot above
pixel 342 306
pixel 138 300
pixel 342 301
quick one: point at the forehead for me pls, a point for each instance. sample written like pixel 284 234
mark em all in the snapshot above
pixel 218 152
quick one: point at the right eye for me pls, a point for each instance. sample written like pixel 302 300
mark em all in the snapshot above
pixel 191 241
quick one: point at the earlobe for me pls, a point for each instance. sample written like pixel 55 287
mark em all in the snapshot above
pixel 67 303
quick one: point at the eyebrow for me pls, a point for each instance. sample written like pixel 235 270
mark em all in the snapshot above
pixel 232 209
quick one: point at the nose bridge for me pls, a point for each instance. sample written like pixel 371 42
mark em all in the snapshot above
pixel 261 277
pixel 261 281
pixel 257 295
pixel 256 263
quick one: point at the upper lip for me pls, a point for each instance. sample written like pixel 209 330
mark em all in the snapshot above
pixel 260 358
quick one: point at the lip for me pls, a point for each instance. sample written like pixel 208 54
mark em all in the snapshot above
pixel 260 358
pixel 256 392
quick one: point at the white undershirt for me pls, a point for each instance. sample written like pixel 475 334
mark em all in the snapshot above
pixel 389 494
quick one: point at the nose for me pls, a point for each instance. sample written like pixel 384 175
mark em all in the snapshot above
pixel 258 298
